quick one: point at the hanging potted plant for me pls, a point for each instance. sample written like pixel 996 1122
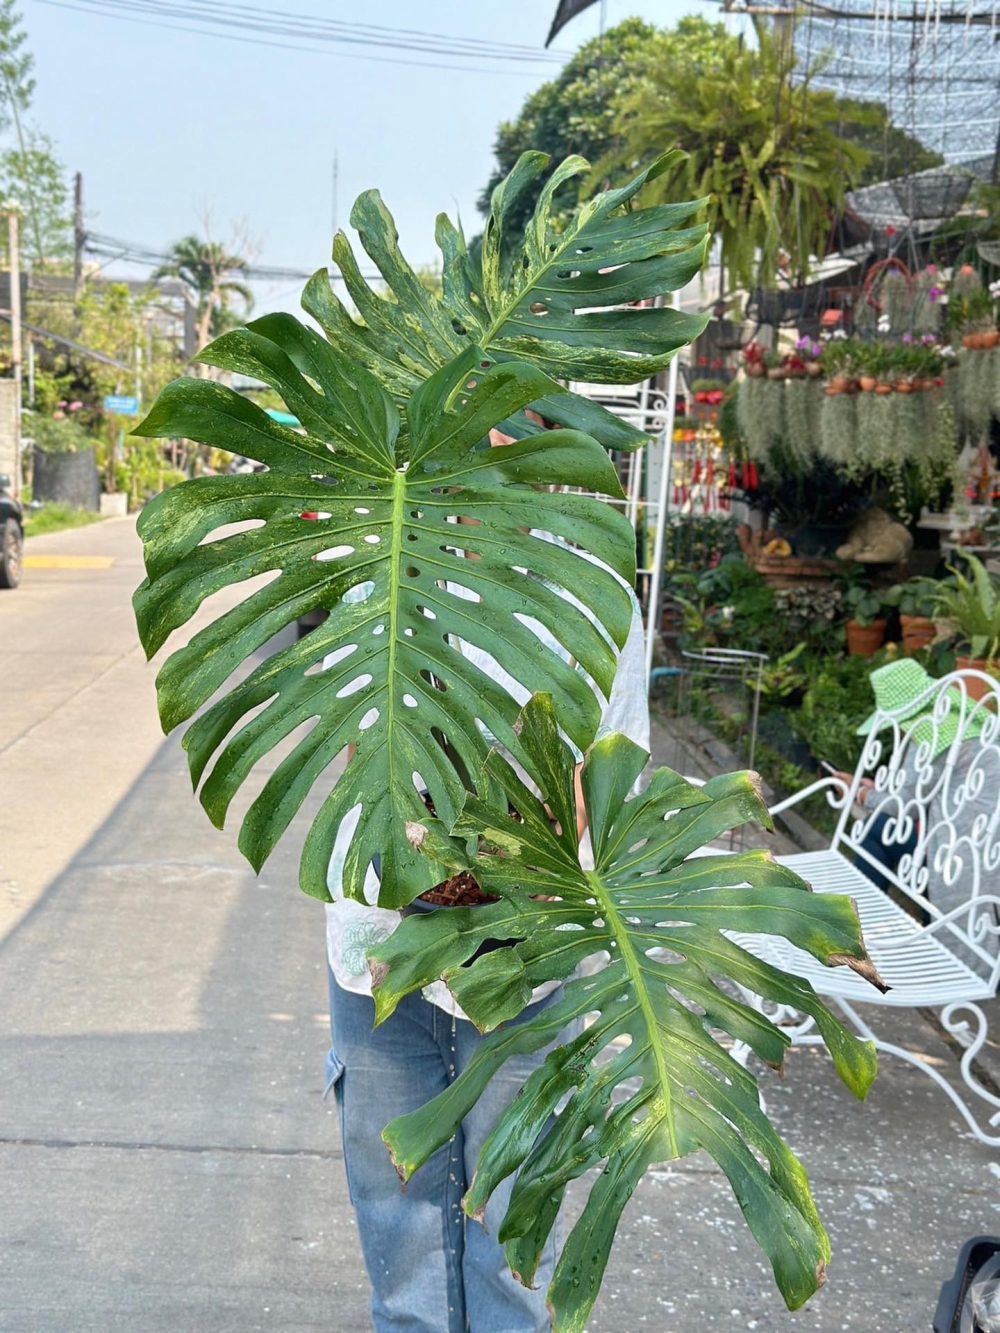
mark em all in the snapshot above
pixel 839 364
pixel 968 610
pixel 775 363
pixel 753 360
pixel 811 353
pixel 870 360
pixel 866 624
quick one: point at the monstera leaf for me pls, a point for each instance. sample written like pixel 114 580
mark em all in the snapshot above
pixel 649 1080
pixel 382 554
pixel 554 298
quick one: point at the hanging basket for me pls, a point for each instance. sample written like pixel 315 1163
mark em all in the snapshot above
pixel 938 193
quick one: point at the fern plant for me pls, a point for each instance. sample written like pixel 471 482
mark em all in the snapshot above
pixel 396 404
pixel 970 608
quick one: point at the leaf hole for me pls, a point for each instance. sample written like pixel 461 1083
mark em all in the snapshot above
pixel 409 701
pixel 373 539
pixel 539 308
pixel 426 611
pixel 459 327
pixel 352 686
pixel 409 632
pixel 334 553
pixel 369 719
pixel 412 537
pixel 359 593
pixel 412 572
pixel 416 513
pixel 379 629
pixel 360 509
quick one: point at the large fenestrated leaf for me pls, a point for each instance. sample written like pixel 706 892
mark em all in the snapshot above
pixel 386 560
pixel 554 298
pixel 648 1081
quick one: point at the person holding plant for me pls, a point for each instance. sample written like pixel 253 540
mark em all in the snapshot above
pixel 432 1270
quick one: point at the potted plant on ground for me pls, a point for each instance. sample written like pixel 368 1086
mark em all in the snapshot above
pixel 866 623
pixel 916 601
pixel 968 609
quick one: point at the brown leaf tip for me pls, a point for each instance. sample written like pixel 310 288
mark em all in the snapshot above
pixel 820 1274
pixel 416 835
pixel 379 972
pixel 863 966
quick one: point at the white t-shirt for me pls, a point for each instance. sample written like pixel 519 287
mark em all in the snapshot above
pixel 354 928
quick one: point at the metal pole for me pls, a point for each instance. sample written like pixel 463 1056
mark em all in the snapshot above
pixel 31 372
pixel 15 315
pixel 655 577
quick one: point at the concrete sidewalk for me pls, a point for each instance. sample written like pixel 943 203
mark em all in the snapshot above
pixel 169 1165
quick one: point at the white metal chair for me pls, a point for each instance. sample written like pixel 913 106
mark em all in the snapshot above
pixel 921 859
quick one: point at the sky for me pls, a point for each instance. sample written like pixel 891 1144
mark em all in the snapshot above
pixel 168 126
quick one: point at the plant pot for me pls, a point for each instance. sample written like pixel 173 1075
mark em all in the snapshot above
pixel 867 383
pixel 865 640
pixel 989 339
pixel 755 370
pixel 970 340
pixel 918 632
pixel 842 383
pixel 776 373
pixel 977 689
pixel 814 369
pixel 904 386
pixel 883 387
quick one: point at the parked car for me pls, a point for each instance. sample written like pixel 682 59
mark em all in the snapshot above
pixel 11 536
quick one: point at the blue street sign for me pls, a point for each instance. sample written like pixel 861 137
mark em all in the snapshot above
pixel 120 406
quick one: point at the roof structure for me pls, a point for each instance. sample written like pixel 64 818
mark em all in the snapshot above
pixel 935 64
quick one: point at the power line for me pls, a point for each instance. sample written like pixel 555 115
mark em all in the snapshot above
pixel 218 20
pixel 133 252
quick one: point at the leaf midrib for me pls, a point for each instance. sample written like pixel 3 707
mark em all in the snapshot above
pixel 633 965
pixel 531 283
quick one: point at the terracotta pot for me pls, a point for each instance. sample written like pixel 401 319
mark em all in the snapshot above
pixel 755 370
pixel 883 387
pixel 867 383
pixel 832 390
pixel 904 386
pixel 990 338
pixel 977 689
pixel 843 383
pixel 776 372
pixel 918 632
pixel 814 369
pixel 970 340
pixel 865 640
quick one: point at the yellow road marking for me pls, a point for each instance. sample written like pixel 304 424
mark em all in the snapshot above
pixel 68 561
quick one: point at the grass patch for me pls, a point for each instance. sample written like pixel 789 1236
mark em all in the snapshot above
pixel 56 518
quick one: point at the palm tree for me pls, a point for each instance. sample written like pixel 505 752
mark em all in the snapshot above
pixel 211 277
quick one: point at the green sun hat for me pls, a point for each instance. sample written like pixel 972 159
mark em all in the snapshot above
pixel 901 693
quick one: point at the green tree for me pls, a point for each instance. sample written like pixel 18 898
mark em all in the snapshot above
pixel 213 276
pixel 575 112
pixel 32 177
pixel 891 151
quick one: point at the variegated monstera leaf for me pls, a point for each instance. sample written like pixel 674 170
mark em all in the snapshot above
pixel 564 300
pixel 407 589
pixel 648 1080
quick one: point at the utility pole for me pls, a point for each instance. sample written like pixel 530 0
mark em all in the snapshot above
pixel 13 241
pixel 79 240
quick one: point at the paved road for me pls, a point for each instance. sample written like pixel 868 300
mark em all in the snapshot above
pixel 167 1163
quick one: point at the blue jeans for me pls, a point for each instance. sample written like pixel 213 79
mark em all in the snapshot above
pixel 432 1269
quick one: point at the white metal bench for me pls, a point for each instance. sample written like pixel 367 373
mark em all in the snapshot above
pixel 930 829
